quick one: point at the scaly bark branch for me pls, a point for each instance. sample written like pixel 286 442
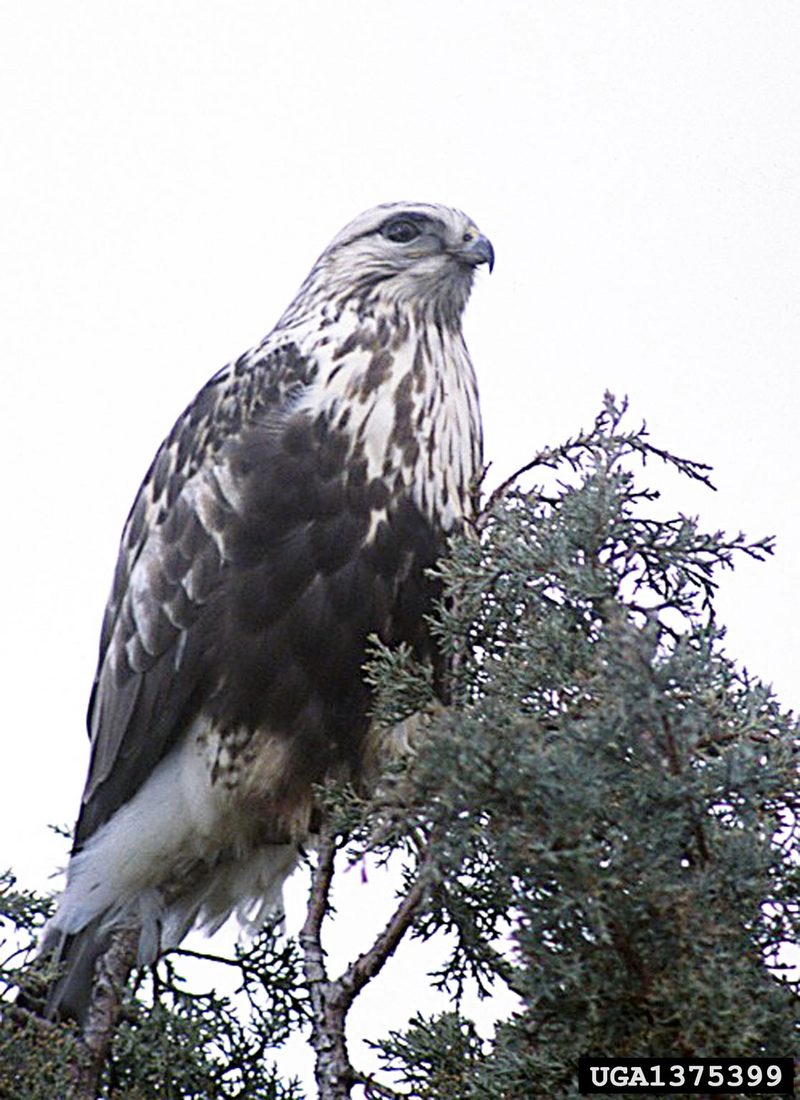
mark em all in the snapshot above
pixel 111 975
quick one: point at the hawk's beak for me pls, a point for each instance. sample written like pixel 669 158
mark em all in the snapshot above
pixel 476 250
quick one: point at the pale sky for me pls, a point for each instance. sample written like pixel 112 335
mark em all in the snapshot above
pixel 171 170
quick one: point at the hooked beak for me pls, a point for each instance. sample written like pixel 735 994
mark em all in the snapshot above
pixel 477 250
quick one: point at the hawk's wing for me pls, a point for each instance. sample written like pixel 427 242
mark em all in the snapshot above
pixel 153 675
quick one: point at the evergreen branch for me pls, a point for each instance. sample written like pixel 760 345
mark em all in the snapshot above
pixel 604 442
pixel 550 457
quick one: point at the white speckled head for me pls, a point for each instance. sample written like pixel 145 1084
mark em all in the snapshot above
pixel 415 254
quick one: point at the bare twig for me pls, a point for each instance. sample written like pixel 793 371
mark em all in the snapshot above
pixel 547 457
pixel 331 999
pixel 374 1090
pixel 204 956
pixel 367 965
pixel 606 425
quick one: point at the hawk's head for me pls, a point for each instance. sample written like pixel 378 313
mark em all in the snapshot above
pixel 417 255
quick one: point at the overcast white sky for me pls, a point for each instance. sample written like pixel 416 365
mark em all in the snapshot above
pixel 171 170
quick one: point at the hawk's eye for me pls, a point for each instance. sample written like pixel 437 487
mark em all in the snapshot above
pixel 401 230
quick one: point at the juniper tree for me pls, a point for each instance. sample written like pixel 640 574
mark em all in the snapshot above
pixel 603 819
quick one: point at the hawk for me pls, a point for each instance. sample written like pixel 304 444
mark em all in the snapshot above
pixel 293 511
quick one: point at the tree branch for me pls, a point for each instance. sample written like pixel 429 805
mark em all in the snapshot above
pixel 333 1072
pixel 111 975
pixel 370 963
pixel 606 424
pixel 331 999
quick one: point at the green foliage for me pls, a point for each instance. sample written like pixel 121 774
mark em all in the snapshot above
pixel 611 796
pixel 437 1056
pixel 35 1061
pixel 174 1042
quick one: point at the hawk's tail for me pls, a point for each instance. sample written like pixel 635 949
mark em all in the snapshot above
pixel 139 930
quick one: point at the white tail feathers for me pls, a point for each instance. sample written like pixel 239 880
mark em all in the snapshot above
pixel 171 859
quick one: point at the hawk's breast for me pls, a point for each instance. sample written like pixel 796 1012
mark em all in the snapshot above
pixel 322 551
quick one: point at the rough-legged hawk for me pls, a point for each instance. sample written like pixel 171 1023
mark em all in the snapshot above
pixel 293 511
